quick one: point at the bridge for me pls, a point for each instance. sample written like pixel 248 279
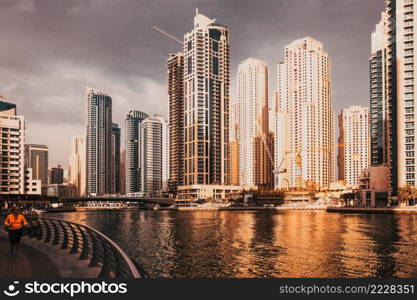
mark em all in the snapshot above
pixel 151 200
pixel 53 248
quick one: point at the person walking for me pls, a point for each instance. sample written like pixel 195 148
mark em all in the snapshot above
pixel 15 222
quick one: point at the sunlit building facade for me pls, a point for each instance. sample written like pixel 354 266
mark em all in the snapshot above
pixel 310 139
pixel 77 164
pixel 175 71
pixel 12 165
pixel 353 156
pixel 206 102
pixel 254 138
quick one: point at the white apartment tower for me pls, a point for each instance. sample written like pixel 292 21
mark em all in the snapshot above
pixel 206 102
pixel 153 152
pixel 353 155
pixel 12 166
pixel 254 138
pixel 310 137
pixel 401 98
pixel 281 129
pixel 77 165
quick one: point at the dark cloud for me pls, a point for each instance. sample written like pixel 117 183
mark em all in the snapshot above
pixel 50 51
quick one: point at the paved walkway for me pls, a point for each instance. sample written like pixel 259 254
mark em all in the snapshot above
pixel 28 263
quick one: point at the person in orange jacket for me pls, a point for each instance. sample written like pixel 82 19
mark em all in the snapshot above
pixel 15 223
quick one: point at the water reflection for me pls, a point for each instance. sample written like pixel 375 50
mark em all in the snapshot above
pixel 262 244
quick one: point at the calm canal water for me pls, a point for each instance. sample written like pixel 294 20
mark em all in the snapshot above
pixel 262 243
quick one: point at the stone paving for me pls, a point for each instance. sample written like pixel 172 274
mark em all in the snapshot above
pixel 27 263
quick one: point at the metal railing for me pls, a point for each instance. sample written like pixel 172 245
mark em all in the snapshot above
pixel 89 243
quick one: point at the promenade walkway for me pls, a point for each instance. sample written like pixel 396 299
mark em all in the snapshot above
pixel 28 263
pixel 53 248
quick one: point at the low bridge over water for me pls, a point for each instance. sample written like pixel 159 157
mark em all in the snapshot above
pixel 152 200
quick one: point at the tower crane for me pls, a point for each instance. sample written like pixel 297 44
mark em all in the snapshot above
pixel 168 35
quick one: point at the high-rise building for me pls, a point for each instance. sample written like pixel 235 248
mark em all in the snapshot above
pixel 206 102
pixel 123 171
pixel 132 146
pixel 32 186
pixel 175 70
pixel 353 157
pixel 36 158
pixel 310 149
pixel 281 129
pixel 12 166
pixel 401 102
pixel 57 175
pixel 77 164
pixel 8 109
pixel 378 93
pixel 115 158
pixel 99 143
pixel 254 138
pixel 234 144
pixel 393 45
pixel 152 153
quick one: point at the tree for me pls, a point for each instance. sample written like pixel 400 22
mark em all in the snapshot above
pixel 348 197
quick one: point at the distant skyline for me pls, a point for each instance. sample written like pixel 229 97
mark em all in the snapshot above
pixel 51 50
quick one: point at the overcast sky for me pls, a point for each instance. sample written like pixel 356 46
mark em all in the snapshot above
pixel 51 50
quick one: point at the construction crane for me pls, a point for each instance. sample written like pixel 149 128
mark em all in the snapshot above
pixel 168 35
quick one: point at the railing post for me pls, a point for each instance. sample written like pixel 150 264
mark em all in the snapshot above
pixel 106 268
pixel 95 258
pixel 74 248
pixel 64 244
pixel 39 231
pixel 56 233
pixel 48 231
pixel 86 244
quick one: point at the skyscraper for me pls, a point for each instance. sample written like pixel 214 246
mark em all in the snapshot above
pixel 12 167
pixel 281 119
pixel 353 157
pixel 233 143
pixel 57 175
pixel 152 153
pixel 254 138
pixel 206 102
pixel 123 171
pixel 378 93
pixel 99 143
pixel 310 149
pixel 401 113
pixel 115 157
pixel 393 48
pixel 77 164
pixel 36 158
pixel 132 144
pixel 175 70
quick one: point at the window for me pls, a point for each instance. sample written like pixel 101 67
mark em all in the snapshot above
pixel 215 46
pixel 215 65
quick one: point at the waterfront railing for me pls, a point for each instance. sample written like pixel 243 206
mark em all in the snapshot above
pixel 87 242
